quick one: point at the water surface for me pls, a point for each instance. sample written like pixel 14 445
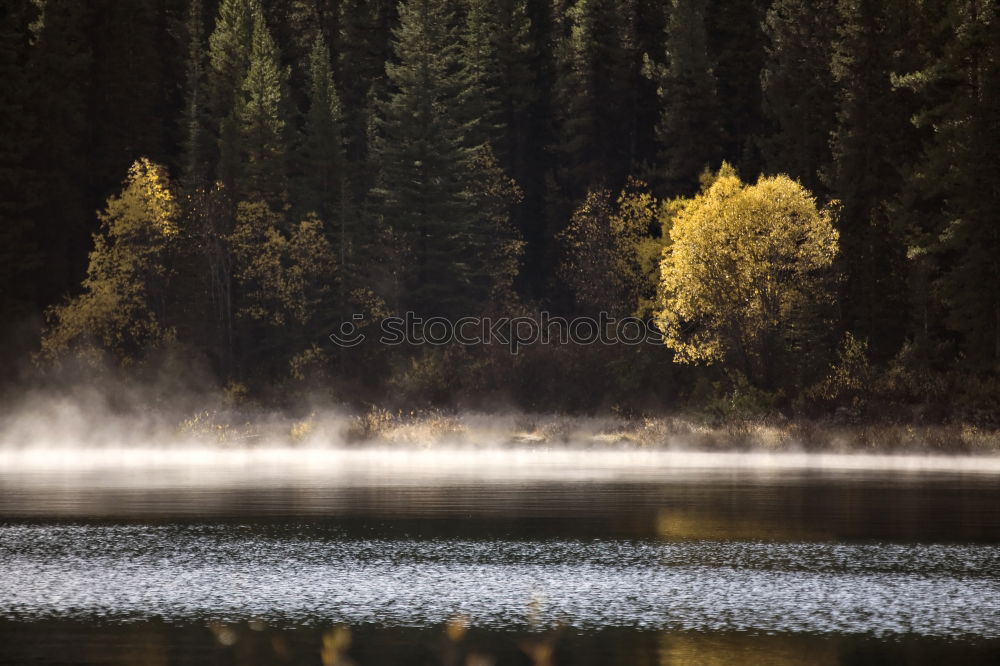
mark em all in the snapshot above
pixel 614 557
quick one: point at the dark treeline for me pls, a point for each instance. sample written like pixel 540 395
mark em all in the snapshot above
pixel 290 163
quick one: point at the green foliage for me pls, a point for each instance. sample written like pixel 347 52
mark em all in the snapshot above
pixel 595 68
pixel 870 140
pixel 798 88
pixel 734 401
pixel 958 240
pixel 500 246
pixel 736 50
pixel 433 191
pixel 229 60
pixel 19 252
pixel 743 259
pixel 322 160
pixel 195 119
pixel 342 155
pixel 688 130
pixel 363 47
pixel 262 115
pixel 850 381
pixel 59 71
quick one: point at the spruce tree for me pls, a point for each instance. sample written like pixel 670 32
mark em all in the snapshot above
pixel 518 92
pixel 321 158
pixel 871 141
pixel 423 158
pixel 798 89
pixel 322 161
pixel 19 255
pixel 126 93
pixel 592 93
pixel 229 59
pixel 736 50
pixel 688 130
pixel 955 181
pixel 60 69
pixel 261 113
pixel 481 59
pixel 197 148
pixel 363 48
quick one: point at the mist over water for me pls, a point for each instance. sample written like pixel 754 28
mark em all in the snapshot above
pixel 86 432
pixel 126 515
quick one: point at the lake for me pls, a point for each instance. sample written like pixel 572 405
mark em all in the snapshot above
pixel 430 556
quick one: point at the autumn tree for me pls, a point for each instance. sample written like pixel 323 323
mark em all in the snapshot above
pixel 283 279
pixel 744 266
pixel 608 250
pixel 122 307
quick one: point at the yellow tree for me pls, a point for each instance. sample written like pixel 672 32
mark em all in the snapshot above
pixel 121 309
pixel 283 282
pixel 745 274
pixel 611 250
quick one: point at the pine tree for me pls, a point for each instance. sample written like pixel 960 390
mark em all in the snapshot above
pixel 688 130
pixel 261 113
pixel 60 68
pixel 197 148
pixel 518 90
pixel 321 158
pixel 295 25
pixel 871 141
pixel 322 184
pixel 19 255
pixel 423 157
pixel 956 179
pixel 229 60
pixel 127 89
pixel 592 93
pixel 798 89
pixel 481 59
pixel 363 48
pixel 736 50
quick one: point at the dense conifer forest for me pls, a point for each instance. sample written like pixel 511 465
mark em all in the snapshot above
pixel 801 196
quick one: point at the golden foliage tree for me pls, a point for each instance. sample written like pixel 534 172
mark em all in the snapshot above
pixel 610 258
pixel 283 277
pixel 746 266
pixel 121 309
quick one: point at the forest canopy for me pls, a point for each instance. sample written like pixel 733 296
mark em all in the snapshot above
pixel 789 189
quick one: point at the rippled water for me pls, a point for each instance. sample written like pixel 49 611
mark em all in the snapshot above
pixel 236 572
pixel 629 559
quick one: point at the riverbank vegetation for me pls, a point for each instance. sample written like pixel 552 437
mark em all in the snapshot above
pixel 800 196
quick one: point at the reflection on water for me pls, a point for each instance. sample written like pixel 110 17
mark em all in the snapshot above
pixel 246 557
